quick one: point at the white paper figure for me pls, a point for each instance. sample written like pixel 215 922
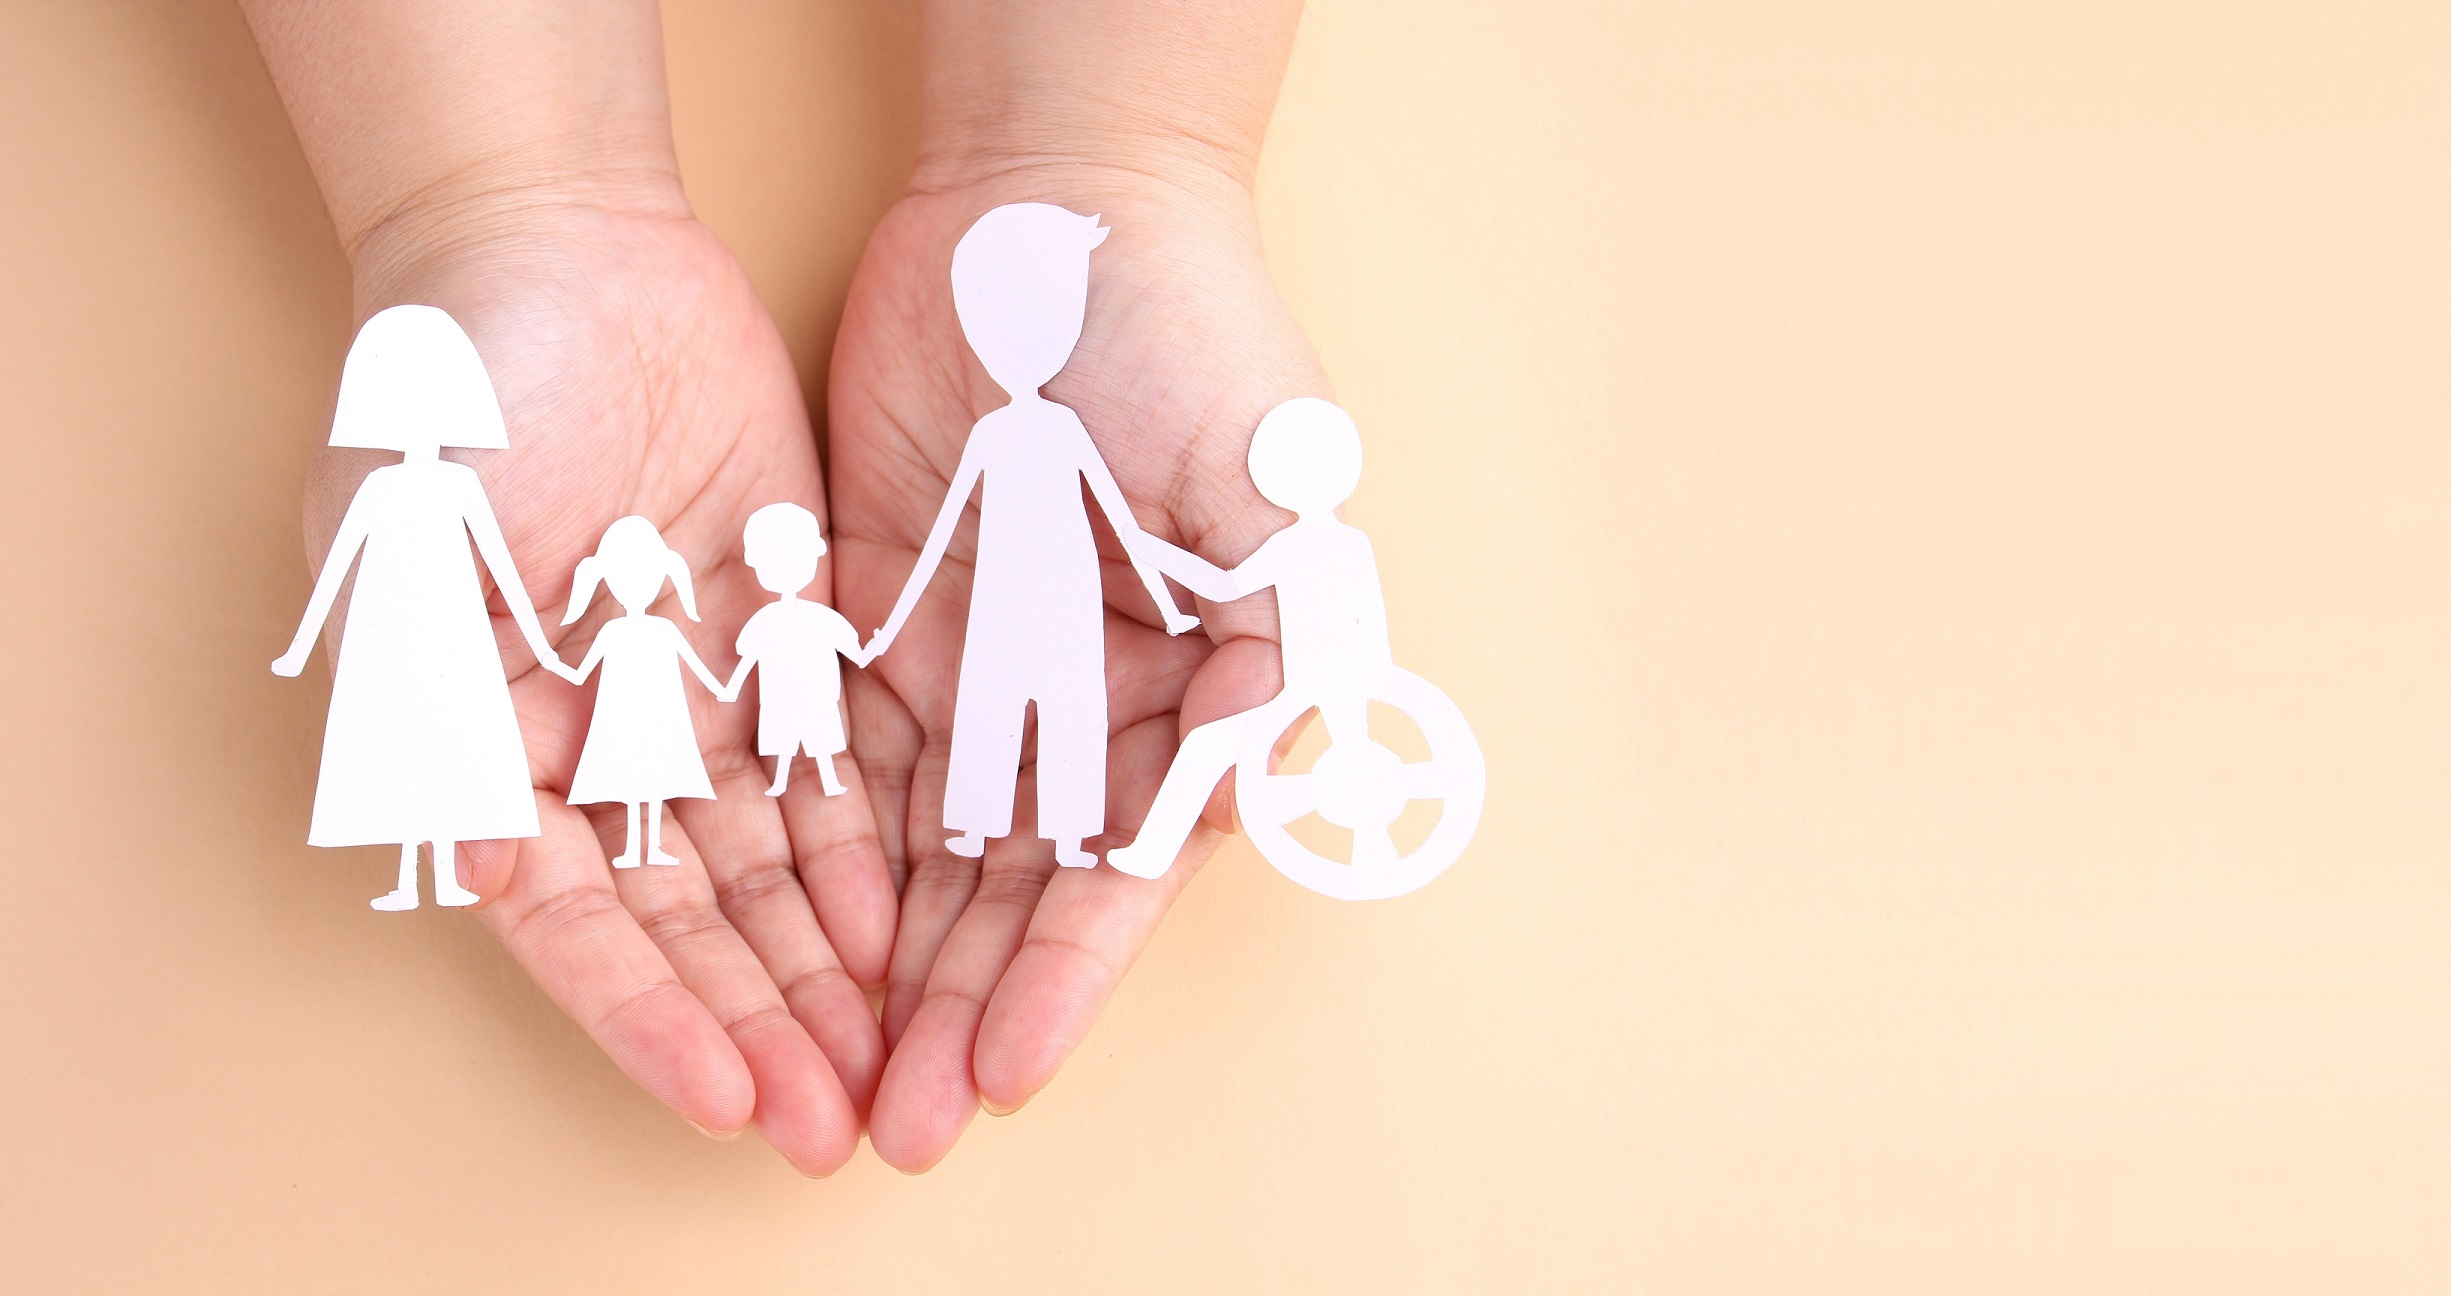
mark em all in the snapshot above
pixel 641 748
pixel 1037 631
pixel 793 644
pixel 1306 457
pixel 421 744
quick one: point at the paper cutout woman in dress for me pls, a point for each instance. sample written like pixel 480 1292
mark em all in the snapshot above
pixel 421 744
pixel 1306 457
pixel 641 748
pixel 1037 630
pixel 793 644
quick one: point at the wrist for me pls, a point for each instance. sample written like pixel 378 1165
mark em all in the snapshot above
pixel 514 203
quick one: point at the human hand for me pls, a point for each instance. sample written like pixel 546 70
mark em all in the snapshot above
pixel 1001 964
pixel 510 161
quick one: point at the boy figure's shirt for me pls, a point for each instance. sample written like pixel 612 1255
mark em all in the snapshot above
pixel 795 642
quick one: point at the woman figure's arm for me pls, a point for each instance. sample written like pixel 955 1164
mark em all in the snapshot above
pixel 478 512
pixel 336 566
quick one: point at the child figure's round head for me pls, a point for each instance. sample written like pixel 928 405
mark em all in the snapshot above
pixel 1306 456
pixel 1021 287
pixel 782 544
pixel 633 562
pixel 413 383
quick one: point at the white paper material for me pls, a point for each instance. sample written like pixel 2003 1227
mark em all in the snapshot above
pixel 421 744
pixel 642 749
pixel 1306 457
pixel 1037 615
pixel 794 645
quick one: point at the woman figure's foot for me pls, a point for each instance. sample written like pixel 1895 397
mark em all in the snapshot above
pixel 396 902
pixel 968 845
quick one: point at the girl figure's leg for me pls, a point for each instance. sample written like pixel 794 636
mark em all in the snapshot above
pixel 628 858
pixel 403 896
pixel 655 836
pixel 447 889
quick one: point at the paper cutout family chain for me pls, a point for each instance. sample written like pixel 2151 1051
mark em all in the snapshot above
pixel 422 746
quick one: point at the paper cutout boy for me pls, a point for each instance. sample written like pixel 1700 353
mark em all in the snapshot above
pixel 1037 632
pixel 421 744
pixel 793 644
pixel 641 748
pixel 1306 458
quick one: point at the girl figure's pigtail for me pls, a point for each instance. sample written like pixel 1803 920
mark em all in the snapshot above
pixel 583 588
pixel 677 567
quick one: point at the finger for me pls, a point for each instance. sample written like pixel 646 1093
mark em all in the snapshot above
pixel 887 739
pixel 1083 934
pixel 558 916
pixel 928 1095
pixel 940 885
pixel 749 859
pixel 802 1108
pixel 841 861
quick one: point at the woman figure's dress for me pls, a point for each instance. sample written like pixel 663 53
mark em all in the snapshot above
pixel 421 744
pixel 641 745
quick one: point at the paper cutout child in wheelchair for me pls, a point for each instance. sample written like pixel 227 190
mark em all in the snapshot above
pixel 793 643
pixel 1306 457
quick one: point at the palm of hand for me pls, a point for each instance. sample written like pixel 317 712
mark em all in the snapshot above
pixel 1001 964
pixel 639 374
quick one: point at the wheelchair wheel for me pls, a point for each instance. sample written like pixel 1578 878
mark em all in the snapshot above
pixel 1363 786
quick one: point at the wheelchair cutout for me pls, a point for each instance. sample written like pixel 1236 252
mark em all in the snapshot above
pixel 1306 457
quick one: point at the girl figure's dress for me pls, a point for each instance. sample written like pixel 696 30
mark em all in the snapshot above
pixel 421 744
pixel 641 745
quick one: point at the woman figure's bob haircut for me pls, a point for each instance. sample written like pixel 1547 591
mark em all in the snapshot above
pixel 413 383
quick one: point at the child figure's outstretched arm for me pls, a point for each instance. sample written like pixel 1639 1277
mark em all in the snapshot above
pixel 1198 574
pixel 730 692
pixel 705 676
pixel 327 587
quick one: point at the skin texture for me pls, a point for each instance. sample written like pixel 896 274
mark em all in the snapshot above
pixel 510 161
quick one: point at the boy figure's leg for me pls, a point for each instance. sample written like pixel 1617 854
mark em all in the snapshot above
pixel 782 771
pixel 827 775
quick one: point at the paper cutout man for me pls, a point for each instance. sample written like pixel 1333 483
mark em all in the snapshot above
pixel 793 644
pixel 421 744
pixel 642 749
pixel 1037 631
pixel 1306 457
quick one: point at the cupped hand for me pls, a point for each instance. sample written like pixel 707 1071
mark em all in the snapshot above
pixel 638 373
pixel 1001 964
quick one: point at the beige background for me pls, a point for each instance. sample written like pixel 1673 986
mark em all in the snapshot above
pixel 1938 512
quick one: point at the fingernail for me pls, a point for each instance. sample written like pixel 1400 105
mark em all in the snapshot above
pixel 720 1138
pixel 988 1105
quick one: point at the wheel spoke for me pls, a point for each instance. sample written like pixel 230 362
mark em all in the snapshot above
pixel 1427 780
pixel 1373 849
pixel 1274 798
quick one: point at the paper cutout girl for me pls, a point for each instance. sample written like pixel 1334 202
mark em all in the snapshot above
pixel 421 744
pixel 641 748
pixel 1037 630
pixel 793 644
